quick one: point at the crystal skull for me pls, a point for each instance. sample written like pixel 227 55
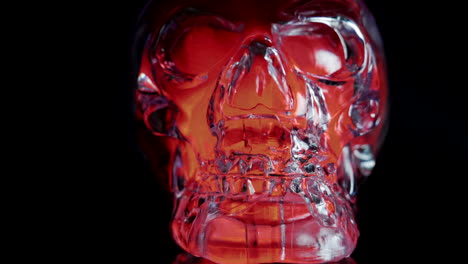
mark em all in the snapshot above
pixel 272 112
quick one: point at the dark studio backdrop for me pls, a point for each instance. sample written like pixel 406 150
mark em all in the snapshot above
pixel 409 208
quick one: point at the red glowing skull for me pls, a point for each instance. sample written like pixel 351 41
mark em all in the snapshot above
pixel 272 112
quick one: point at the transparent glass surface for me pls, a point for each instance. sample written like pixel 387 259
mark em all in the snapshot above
pixel 272 113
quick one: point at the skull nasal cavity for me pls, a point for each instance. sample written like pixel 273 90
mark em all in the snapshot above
pixel 257 77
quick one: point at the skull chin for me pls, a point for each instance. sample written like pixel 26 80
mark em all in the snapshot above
pixel 258 219
pixel 261 205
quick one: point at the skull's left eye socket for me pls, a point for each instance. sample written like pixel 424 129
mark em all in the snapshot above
pixel 191 44
pixel 329 48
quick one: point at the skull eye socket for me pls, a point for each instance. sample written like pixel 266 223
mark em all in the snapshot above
pixel 313 48
pixel 323 47
pixel 202 47
pixel 191 44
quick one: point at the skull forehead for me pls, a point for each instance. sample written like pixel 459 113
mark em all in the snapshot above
pixel 258 12
pixel 260 20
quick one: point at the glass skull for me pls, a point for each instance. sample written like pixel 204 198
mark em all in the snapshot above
pixel 272 112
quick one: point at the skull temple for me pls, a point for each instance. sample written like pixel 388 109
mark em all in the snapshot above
pixel 272 112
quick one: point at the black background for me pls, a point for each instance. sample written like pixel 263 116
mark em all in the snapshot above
pixel 410 208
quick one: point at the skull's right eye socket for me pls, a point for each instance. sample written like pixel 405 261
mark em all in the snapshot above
pixel 201 48
pixel 190 45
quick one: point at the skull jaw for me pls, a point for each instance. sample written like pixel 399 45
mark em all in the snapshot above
pixel 300 223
